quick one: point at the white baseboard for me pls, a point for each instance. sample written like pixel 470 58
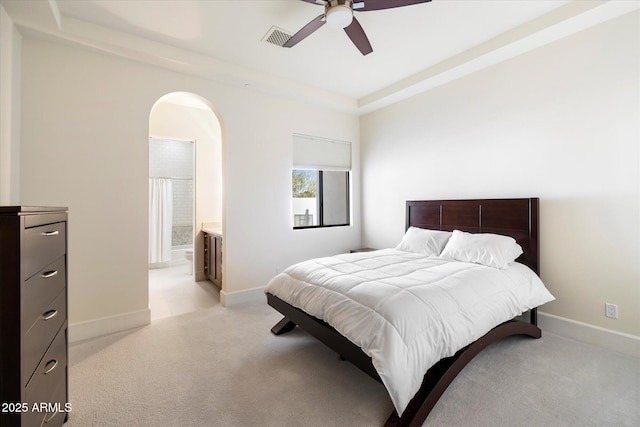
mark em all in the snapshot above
pixel 227 299
pixel 595 335
pixel 579 331
pixel 108 325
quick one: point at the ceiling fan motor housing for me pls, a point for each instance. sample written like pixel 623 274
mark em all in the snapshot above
pixel 339 13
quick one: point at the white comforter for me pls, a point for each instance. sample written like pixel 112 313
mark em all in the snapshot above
pixel 407 311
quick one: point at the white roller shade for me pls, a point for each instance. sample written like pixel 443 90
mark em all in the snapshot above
pixel 311 152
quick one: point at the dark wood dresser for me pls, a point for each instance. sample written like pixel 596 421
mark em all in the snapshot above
pixel 33 316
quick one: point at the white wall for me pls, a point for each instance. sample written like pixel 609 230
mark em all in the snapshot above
pixel 560 123
pixel 10 50
pixel 85 123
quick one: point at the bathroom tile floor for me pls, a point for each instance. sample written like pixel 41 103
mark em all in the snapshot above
pixel 173 291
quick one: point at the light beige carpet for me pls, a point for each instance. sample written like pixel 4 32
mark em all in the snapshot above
pixel 223 367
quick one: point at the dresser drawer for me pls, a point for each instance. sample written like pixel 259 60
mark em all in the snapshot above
pixel 42 245
pixel 38 338
pixel 40 290
pixel 48 383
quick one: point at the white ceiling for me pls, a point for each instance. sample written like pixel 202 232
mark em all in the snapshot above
pixel 415 47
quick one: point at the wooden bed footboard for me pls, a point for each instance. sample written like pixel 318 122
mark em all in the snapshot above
pixel 435 381
pixel 440 375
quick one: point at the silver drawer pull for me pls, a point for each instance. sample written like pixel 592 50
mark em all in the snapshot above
pixel 50 366
pixel 49 314
pixel 51 233
pixel 48 274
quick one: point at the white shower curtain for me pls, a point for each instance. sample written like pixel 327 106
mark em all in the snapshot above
pixel 160 219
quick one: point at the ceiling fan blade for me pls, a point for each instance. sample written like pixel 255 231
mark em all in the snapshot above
pixel 365 5
pixel 358 37
pixel 305 31
pixel 318 2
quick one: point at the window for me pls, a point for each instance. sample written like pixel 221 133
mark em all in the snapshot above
pixel 320 198
pixel 320 182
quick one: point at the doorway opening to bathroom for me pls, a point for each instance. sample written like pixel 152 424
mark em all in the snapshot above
pixel 185 192
pixel 171 172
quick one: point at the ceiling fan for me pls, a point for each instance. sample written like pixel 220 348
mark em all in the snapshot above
pixel 339 13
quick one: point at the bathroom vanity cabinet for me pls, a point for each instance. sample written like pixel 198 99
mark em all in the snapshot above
pixel 213 257
pixel 33 316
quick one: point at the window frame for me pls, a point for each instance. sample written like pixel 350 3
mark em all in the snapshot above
pixel 320 197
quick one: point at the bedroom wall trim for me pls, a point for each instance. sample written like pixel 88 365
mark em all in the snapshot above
pixel 228 299
pixel 108 325
pixel 590 334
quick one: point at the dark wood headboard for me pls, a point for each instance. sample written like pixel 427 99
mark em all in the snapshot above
pixel 517 218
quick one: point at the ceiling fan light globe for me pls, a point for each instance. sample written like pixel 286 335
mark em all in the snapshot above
pixel 339 16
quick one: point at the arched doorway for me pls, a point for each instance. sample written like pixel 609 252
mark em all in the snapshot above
pixel 183 126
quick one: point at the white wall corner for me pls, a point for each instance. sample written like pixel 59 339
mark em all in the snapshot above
pixel 108 325
pixel 590 334
pixel 10 63
pixel 248 296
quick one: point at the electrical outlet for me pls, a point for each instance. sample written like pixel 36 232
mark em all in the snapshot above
pixel 611 310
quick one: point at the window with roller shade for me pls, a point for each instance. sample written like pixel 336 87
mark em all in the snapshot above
pixel 320 182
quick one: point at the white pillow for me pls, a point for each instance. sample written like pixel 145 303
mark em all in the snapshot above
pixel 423 241
pixel 493 250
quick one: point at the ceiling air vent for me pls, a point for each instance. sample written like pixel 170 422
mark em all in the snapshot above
pixel 277 36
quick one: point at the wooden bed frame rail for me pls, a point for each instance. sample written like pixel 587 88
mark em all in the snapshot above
pixel 517 218
pixel 435 381
pixel 442 374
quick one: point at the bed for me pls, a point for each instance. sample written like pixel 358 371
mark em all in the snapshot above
pixel 414 318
